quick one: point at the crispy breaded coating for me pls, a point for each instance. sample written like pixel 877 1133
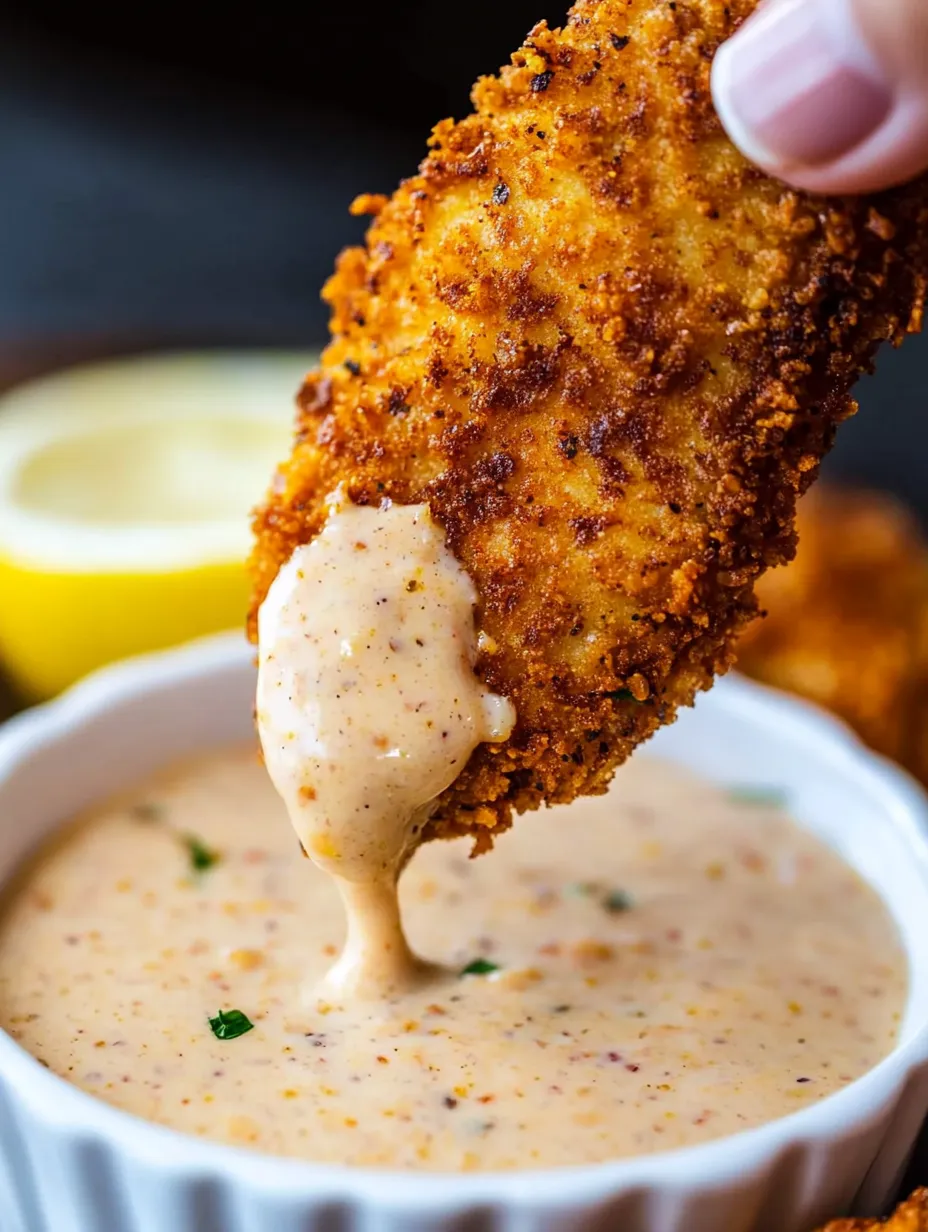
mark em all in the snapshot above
pixel 910 1216
pixel 847 622
pixel 609 354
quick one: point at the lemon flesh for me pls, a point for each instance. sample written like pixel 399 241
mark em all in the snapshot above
pixel 125 492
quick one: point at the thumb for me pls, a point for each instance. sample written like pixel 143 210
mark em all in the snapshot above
pixel 829 95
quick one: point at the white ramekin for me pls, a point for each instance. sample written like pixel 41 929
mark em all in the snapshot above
pixel 69 1163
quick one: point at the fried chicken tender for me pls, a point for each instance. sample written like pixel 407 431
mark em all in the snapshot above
pixel 910 1216
pixel 847 621
pixel 609 354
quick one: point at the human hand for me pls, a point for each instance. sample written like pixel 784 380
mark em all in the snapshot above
pixel 829 95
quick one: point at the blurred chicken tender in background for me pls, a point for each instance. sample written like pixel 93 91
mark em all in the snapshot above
pixel 911 1216
pixel 847 621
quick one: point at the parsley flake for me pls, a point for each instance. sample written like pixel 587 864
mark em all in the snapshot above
pixel 230 1024
pixel 617 901
pixel 480 966
pixel 614 901
pixel 582 889
pixel 201 856
pixel 757 794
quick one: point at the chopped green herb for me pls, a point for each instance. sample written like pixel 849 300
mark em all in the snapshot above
pixel 201 856
pixel 762 796
pixel 147 810
pixel 480 966
pixel 617 901
pixel 583 889
pixel 621 695
pixel 230 1024
pixel 613 901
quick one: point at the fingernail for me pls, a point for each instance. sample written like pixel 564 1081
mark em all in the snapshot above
pixel 798 86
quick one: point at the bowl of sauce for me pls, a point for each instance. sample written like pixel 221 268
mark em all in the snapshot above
pixel 698 1000
pixel 701 996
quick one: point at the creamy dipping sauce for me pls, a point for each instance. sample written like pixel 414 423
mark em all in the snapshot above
pixel 662 965
pixel 368 708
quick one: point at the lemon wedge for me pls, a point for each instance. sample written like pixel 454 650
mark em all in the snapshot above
pixel 125 491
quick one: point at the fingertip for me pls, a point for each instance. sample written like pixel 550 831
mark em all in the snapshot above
pixel 895 154
pixel 739 131
pixel 802 95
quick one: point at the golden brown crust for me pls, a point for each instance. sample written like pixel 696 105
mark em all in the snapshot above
pixel 910 1216
pixel 610 354
pixel 847 622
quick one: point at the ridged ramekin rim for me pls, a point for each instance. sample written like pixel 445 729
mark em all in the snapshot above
pixel 65 1109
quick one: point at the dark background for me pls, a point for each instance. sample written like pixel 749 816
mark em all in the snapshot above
pixel 173 176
